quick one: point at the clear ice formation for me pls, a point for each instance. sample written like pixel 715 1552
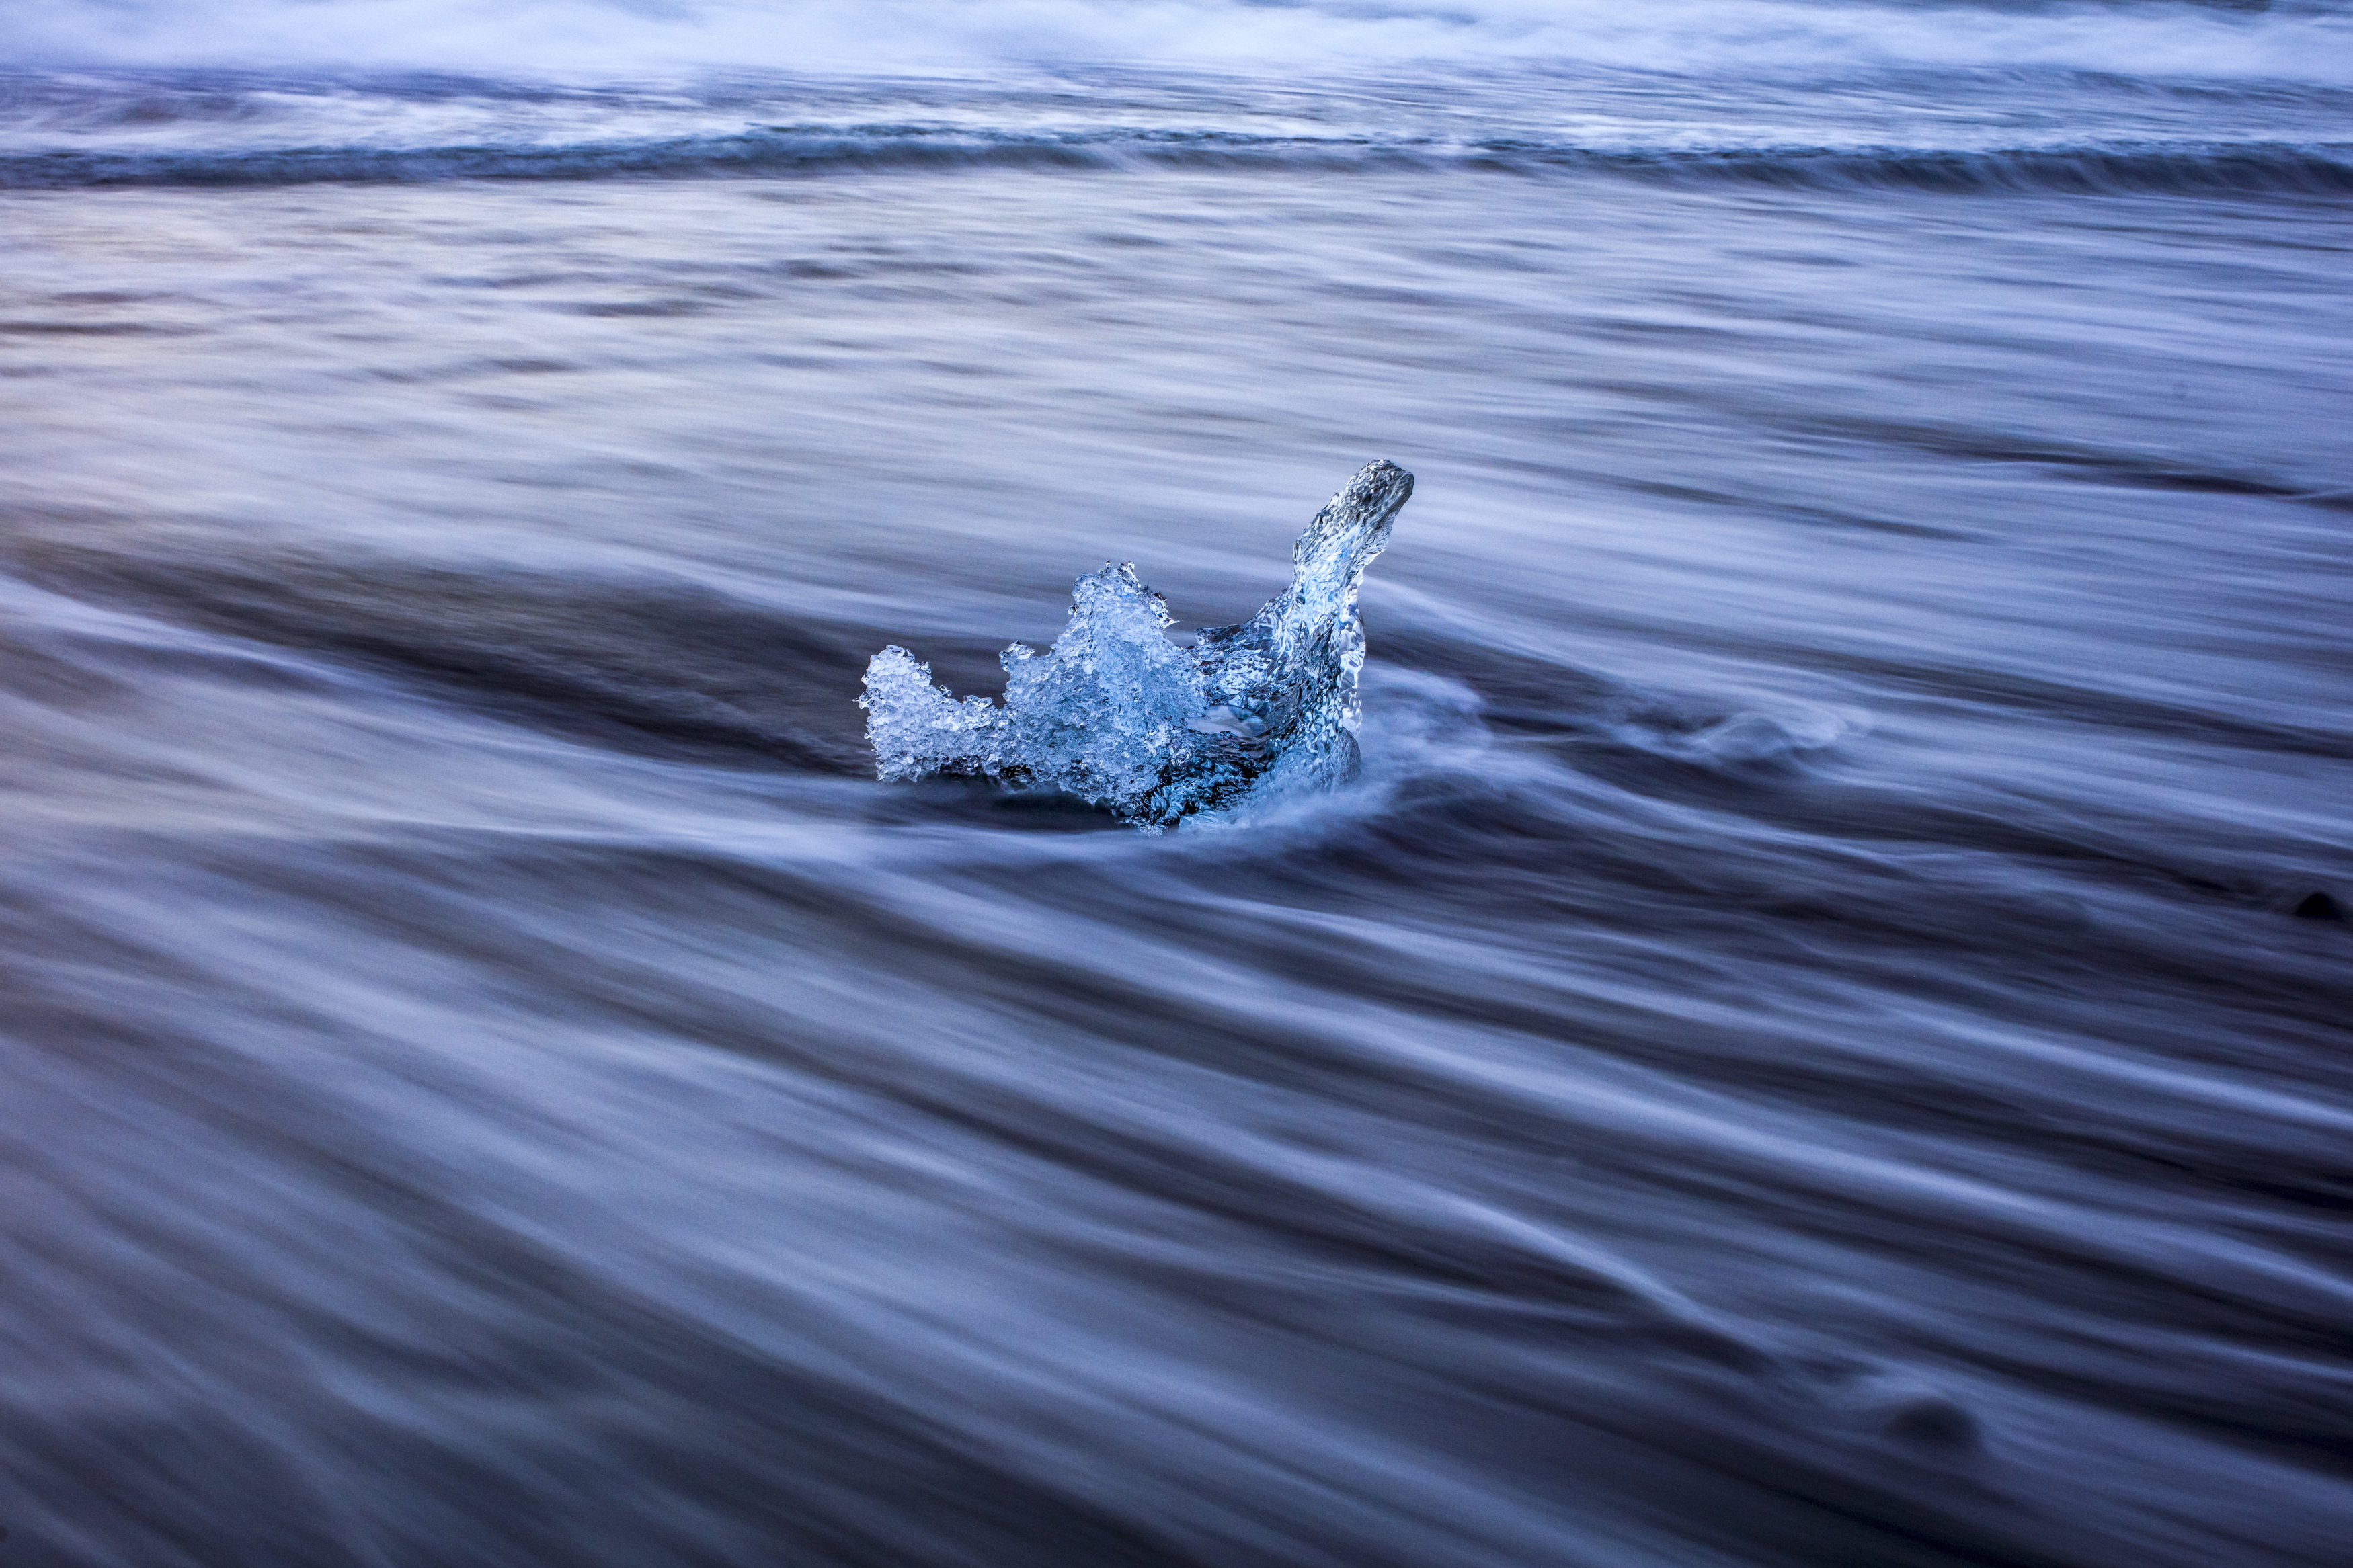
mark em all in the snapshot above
pixel 1116 713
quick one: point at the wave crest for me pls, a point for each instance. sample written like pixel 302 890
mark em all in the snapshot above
pixel 2319 169
pixel 2300 42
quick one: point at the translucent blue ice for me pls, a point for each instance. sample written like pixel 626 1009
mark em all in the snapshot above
pixel 1116 713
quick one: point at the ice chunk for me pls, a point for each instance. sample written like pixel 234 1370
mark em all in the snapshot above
pixel 1116 713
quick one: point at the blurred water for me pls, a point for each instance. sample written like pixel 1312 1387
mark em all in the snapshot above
pixel 1797 1050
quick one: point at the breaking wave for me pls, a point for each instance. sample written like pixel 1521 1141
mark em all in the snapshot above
pixel 2299 42
pixel 2318 168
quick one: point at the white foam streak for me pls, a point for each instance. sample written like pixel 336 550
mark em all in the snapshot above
pixel 605 38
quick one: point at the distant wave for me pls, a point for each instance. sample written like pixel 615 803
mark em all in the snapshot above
pixel 2324 168
pixel 2305 40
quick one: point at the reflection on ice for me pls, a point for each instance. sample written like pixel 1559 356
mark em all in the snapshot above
pixel 1116 713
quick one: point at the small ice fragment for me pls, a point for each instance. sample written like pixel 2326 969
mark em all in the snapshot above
pixel 1116 713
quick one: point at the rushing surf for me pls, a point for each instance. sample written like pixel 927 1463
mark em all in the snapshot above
pixel 1816 1038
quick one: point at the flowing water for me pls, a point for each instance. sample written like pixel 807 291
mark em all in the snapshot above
pixel 1816 1038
